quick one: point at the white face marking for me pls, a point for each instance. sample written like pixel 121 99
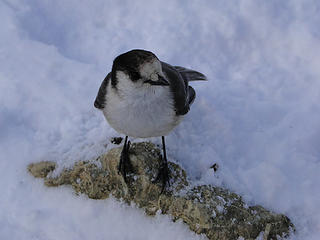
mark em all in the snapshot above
pixel 150 70
pixel 125 85
pixel 140 110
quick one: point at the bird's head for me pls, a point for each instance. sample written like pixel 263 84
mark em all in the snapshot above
pixel 139 68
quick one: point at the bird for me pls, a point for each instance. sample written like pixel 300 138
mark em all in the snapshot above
pixel 144 97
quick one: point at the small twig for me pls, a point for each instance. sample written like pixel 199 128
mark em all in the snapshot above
pixel 215 167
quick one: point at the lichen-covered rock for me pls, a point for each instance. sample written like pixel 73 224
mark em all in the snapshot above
pixel 41 169
pixel 213 211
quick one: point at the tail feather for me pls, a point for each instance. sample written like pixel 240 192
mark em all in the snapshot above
pixel 190 75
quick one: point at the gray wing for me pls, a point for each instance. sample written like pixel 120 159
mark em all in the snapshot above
pixel 101 97
pixel 190 75
pixel 183 94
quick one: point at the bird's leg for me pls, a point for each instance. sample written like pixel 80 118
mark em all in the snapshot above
pixel 124 164
pixel 163 174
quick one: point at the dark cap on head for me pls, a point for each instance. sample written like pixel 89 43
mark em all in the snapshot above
pixel 129 62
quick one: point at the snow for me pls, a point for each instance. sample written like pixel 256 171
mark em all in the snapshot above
pixel 257 117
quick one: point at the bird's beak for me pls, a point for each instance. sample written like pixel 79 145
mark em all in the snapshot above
pixel 161 81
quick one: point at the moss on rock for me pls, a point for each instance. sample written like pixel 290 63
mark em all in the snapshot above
pixel 213 211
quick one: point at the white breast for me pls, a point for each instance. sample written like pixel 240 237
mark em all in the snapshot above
pixel 140 110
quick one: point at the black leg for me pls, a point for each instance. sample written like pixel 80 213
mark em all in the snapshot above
pixel 163 174
pixel 124 164
pixel 164 149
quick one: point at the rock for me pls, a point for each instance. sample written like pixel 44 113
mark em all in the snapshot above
pixel 41 169
pixel 213 211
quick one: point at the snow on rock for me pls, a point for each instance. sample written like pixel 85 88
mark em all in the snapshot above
pixel 212 211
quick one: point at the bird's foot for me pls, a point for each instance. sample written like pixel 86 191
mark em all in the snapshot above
pixel 163 176
pixel 125 165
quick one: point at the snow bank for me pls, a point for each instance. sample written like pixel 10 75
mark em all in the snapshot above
pixel 258 116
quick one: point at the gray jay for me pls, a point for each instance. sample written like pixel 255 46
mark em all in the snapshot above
pixel 144 97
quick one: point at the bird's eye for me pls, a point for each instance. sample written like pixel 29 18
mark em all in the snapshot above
pixel 135 75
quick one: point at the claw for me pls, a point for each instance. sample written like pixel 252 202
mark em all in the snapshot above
pixel 163 175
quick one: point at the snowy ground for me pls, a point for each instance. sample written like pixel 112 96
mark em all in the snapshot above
pixel 258 116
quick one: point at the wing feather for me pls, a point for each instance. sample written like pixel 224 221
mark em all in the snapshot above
pixel 101 97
